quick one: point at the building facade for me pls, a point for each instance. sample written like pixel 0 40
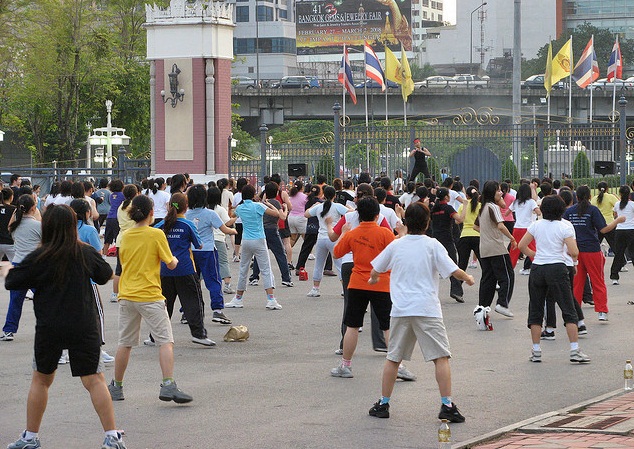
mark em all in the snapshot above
pixel 615 15
pixel 484 32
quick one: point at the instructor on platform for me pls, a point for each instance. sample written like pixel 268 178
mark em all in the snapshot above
pixel 420 160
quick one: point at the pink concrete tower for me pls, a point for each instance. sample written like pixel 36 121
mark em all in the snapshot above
pixel 190 48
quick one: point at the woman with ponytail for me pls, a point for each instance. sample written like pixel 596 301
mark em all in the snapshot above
pixel 588 222
pixel 141 251
pixel 624 234
pixel 469 237
pixel 324 246
pixel 183 281
pixel 26 230
pixel 157 193
pixel 130 191
pixel 526 212
pixel 605 201
pixel 494 256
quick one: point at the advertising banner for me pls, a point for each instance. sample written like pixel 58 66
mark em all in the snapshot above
pixel 324 26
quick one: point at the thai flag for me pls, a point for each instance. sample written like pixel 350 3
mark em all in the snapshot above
pixel 615 66
pixel 587 68
pixel 373 69
pixel 345 75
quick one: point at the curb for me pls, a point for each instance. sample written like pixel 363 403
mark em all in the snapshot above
pixel 513 427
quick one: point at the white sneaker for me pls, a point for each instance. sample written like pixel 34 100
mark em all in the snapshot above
pixel 114 297
pixel 615 282
pixel 236 258
pixel 603 316
pixel 524 272
pixel 235 303
pixel 311 256
pixel 203 341
pixel 149 342
pixel 63 360
pixel 624 270
pixel 107 358
pixel 227 289
pixel 504 311
pixel 254 282
pixel 272 304
pixel 473 264
pixel 314 293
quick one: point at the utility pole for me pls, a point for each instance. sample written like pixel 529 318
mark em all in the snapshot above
pixel 517 79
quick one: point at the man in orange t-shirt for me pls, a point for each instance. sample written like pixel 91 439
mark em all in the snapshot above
pixel 365 242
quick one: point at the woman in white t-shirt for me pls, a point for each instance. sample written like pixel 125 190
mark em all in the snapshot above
pixel 214 200
pixel 334 210
pixel 549 274
pixel 624 234
pixel 526 212
pixel 408 197
pixel 156 191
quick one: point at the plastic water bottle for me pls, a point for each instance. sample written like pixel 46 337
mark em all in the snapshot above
pixel 628 376
pixel 444 435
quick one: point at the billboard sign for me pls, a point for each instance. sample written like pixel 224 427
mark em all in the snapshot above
pixel 323 26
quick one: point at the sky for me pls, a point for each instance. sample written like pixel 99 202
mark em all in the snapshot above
pixel 449 11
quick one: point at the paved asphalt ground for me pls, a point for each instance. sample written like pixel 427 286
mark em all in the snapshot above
pixel 275 390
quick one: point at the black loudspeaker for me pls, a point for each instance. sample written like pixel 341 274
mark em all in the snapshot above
pixel 605 167
pixel 297 170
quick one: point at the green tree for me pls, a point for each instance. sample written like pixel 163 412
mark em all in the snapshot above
pixel 603 43
pixel 509 171
pixel 420 73
pixel 581 166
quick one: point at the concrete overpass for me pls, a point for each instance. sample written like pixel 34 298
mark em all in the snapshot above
pixel 274 106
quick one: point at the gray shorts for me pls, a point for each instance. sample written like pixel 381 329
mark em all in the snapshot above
pixel 223 261
pixel 406 331
pixel 154 314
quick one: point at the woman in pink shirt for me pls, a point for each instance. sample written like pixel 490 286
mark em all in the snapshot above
pixel 296 219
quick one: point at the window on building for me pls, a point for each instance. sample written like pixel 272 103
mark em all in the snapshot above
pixel 424 14
pixel 440 17
pixel 283 14
pixel 415 12
pixel 242 13
pixel 425 2
pixel 244 46
pixel 416 25
pixel 251 70
pixel 265 14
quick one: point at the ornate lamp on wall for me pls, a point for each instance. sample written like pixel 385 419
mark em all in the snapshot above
pixel 176 94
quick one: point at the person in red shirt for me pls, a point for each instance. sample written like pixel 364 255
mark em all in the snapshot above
pixel 365 242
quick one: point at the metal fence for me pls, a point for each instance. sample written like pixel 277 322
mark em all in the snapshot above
pixel 127 169
pixel 472 144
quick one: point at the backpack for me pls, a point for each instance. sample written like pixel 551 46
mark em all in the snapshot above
pixel 342 197
pixel 481 315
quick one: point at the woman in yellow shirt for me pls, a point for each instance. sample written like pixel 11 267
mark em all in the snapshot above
pixel 469 237
pixel 605 201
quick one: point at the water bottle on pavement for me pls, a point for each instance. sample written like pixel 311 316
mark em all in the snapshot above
pixel 628 375
pixel 444 435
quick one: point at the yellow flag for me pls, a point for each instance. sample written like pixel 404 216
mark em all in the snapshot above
pixel 407 87
pixel 392 67
pixel 562 63
pixel 548 85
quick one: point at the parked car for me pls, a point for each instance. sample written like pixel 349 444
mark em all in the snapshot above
pixel 604 84
pixel 468 80
pixel 243 82
pixel 371 84
pixel 314 81
pixel 537 82
pixel 292 82
pixel 433 81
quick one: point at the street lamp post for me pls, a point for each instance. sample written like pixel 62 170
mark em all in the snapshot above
pixel 107 137
pixel 471 38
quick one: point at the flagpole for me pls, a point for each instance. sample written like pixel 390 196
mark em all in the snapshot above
pixel 570 83
pixel 614 84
